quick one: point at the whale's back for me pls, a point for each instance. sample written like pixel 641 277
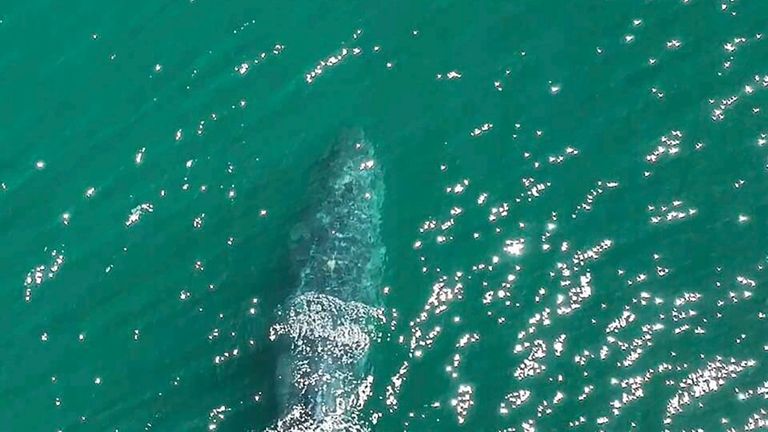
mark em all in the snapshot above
pixel 345 254
pixel 332 319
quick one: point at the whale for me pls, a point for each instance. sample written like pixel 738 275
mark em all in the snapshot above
pixel 331 320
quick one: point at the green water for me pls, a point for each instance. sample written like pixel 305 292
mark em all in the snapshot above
pixel 158 321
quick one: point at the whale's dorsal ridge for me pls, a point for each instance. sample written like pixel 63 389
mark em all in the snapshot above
pixel 335 314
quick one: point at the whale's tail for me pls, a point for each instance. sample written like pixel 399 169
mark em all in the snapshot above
pixel 331 321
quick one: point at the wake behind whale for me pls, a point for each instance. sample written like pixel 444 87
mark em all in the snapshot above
pixel 330 322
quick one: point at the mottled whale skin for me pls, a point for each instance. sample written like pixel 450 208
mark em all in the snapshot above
pixel 330 321
pixel 346 253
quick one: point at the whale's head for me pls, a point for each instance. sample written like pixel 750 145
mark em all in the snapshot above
pixel 343 254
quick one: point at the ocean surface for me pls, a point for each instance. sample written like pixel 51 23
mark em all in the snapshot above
pixel 574 216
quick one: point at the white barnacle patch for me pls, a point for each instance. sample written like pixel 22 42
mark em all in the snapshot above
pixel 367 165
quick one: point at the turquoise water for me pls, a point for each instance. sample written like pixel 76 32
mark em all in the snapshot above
pixel 574 211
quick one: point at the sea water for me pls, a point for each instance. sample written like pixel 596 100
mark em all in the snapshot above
pixel 574 217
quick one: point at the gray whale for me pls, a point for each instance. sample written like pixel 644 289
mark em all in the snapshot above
pixel 330 322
